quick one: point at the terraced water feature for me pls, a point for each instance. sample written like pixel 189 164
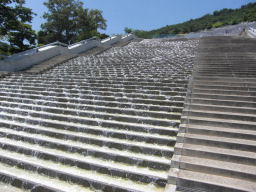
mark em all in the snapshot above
pixel 104 122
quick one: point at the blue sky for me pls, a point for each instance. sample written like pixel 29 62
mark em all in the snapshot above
pixel 144 14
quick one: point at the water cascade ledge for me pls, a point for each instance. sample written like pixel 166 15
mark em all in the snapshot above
pixel 26 59
pixel 104 122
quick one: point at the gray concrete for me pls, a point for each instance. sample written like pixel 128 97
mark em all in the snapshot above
pixel 81 47
pixel 216 148
pixel 24 61
pixel 27 59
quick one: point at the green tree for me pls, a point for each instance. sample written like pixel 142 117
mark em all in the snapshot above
pixel 14 27
pixel 127 30
pixel 60 20
pixel 88 23
pixel 17 37
pixel 67 21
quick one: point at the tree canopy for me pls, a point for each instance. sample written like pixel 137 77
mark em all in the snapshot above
pixel 16 33
pixel 67 21
pixel 127 30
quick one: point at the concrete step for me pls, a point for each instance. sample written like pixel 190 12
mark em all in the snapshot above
pixel 223 102
pixel 174 95
pixel 242 83
pixel 99 80
pixel 93 131
pixel 223 87
pixel 224 79
pixel 227 74
pixel 93 106
pixel 215 167
pixel 85 114
pixel 217 153
pixel 216 148
pixel 151 88
pixel 115 143
pixel 224 92
pixel 196 181
pixel 228 109
pixel 221 115
pixel 96 123
pixel 103 122
pixel 62 102
pixel 94 151
pixel 179 100
pixel 235 70
pixel 146 73
pixel 224 97
pixel 114 75
pixel 218 131
pixel 217 141
pixel 91 164
pixel 18 178
pixel 225 123
pixel 68 173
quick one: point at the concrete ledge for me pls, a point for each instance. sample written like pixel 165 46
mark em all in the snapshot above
pixel 173 176
pixel 25 61
pixel 175 163
pixel 170 188
pixel 82 47
pixel 127 37
pixel 111 40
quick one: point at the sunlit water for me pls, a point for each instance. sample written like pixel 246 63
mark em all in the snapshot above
pixel 137 91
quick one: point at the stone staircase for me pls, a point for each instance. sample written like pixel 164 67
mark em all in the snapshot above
pixel 105 122
pixel 216 143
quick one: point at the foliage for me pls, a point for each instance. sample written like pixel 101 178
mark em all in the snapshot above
pixel 67 21
pixel 103 36
pixel 127 30
pixel 4 48
pixel 209 21
pixel 89 21
pixel 14 27
pixel 16 38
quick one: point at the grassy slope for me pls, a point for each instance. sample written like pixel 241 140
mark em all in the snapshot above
pixel 217 19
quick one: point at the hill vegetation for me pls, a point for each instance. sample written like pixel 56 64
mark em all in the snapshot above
pixel 217 19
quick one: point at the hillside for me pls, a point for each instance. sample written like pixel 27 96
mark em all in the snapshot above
pixel 217 19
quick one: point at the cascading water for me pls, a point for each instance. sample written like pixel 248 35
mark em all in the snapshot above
pixel 96 123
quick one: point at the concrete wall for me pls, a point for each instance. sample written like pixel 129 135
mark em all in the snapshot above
pixel 128 37
pixel 22 62
pixel 111 40
pixel 82 47
pixel 26 59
